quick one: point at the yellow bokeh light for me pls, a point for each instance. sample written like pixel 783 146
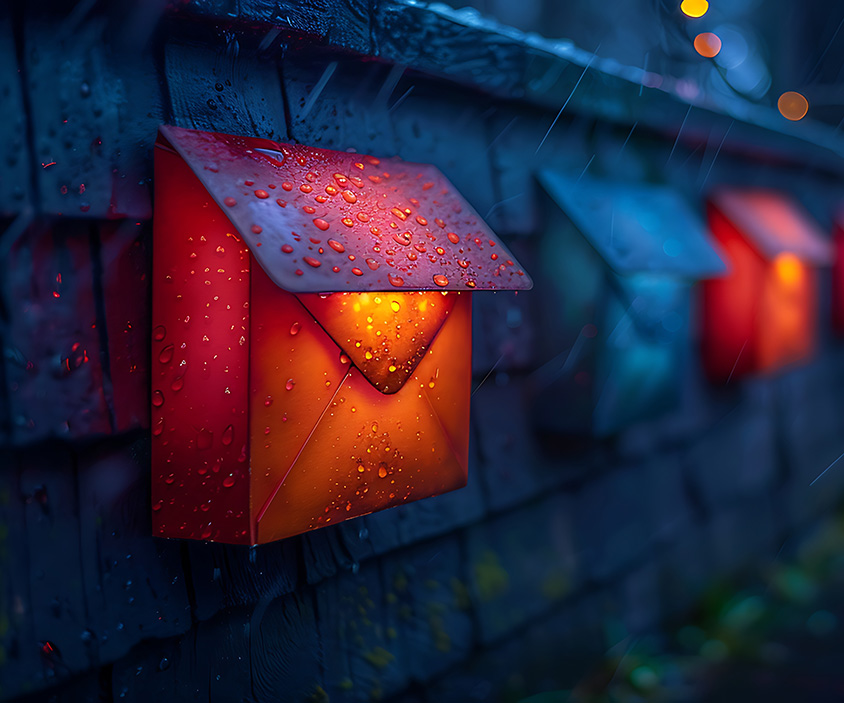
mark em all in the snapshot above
pixel 788 268
pixel 707 44
pixel 793 106
pixel 694 8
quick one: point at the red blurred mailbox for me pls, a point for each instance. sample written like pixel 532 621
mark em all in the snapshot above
pixel 312 334
pixel 762 315
pixel 837 303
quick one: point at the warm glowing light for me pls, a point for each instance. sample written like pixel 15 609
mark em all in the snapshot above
pixel 788 269
pixel 707 44
pixel 793 106
pixel 694 8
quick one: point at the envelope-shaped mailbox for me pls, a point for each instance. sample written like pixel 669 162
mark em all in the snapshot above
pixel 621 259
pixel 763 314
pixel 312 334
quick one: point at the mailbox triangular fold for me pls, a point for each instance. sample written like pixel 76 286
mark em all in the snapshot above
pixel 326 221
pixel 385 335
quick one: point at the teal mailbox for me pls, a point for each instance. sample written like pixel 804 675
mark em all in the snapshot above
pixel 620 261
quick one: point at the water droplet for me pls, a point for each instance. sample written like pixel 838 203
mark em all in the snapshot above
pixel 397 281
pixel 228 435
pixel 421 220
pixel 204 439
pixel 268 401
pixel 166 355
pixel 319 223
pixel 290 383
pixel 311 261
pixel 462 263
pixel 286 248
pixel 229 481
pixel 157 399
pixel 230 202
pixel 382 470
pixel 336 246
pixel 310 209
pixel 453 237
pixel 306 188
pixel 159 333
pixel 344 359
pixel 440 280
pixel 294 328
pixel 158 427
pixel 372 263
pixel 403 238
pixel 261 194
pixel 257 229
pixel 349 197
pixel 395 306
pixel 178 383
pixel 357 272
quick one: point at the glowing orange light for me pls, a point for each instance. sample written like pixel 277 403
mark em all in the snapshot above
pixel 793 106
pixel 788 269
pixel 694 8
pixel 707 44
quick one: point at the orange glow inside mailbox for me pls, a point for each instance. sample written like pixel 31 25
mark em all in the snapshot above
pixel 311 335
pixel 762 315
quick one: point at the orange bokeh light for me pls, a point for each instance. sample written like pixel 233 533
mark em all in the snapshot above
pixel 793 106
pixel 694 8
pixel 707 44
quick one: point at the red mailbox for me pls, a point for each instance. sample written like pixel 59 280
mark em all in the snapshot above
pixel 312 334
pixel 837 303
pixel 762 315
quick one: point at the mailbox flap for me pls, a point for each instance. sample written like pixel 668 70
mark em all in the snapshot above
pixel 323 221
pixel 774 224
pixel 636 227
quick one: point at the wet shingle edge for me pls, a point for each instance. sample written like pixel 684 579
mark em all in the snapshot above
pixel 463 47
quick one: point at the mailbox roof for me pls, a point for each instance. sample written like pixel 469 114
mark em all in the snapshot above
pixel 636 227
pixel 322 221
pixel 774 223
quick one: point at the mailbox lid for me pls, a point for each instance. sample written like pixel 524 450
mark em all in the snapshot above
pixel 323 221
pixel 774 224
pixel 636 227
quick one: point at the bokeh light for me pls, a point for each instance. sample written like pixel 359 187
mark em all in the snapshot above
pixel 694 8
pixel 707 44
pixel 793 106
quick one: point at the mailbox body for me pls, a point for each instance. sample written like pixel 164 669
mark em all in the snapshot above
pixel 277 412
pixel 762 316
pixel 621 260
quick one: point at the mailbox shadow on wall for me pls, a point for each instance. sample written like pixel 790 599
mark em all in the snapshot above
pixel 312 339
pixel 620 260
pixel 762 316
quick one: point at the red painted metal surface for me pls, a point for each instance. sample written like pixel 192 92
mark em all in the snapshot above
pixel 319 220
pixel 279 410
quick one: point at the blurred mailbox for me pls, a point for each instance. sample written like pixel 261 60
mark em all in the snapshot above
pixel 763 315
pixel 620 259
